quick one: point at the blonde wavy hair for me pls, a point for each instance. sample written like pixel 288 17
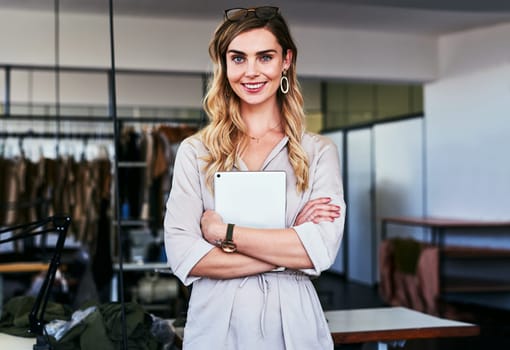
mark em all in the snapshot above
pixel 225 135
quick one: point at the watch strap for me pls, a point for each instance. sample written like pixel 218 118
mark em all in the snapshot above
pixel 230 232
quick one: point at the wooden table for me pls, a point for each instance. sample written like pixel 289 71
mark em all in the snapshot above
pixel 392 324
pixel 386 325
pixel 19 267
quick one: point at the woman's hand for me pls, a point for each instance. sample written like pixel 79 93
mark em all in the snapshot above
pixel 213 227
pixel 318 210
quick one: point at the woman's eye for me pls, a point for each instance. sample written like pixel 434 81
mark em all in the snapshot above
pixel 266 58
pixel 237 59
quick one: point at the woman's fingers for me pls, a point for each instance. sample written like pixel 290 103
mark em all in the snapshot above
pixel 310 205
pixel 327 214
pixel 318 210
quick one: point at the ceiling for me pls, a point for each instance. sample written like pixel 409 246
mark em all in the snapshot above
pixel 425 17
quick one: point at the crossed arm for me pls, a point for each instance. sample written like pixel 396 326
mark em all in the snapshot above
pixel 260 250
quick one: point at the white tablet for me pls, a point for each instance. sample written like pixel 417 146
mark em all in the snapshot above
pixel 251 198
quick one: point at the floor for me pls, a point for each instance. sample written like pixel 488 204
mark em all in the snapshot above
pixel 337 294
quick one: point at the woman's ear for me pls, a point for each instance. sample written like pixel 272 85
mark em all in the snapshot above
pixel 287 59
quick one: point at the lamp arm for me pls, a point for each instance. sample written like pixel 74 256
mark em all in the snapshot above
pixel 36 316
pixel 26 228
pixel 25 234
pixel 60 225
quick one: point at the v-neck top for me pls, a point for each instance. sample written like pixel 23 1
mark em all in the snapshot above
pixel 241 165
pixel 269 310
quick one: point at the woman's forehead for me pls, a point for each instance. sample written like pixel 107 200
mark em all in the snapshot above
pixel 255 40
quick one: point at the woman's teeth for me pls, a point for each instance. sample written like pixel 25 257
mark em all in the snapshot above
pixel 254 86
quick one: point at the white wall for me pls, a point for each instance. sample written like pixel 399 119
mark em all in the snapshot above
pixel 181 45
pixel 399 182
pixel 334 53
pixel 468 128
pixel 471 51
pixel 360 225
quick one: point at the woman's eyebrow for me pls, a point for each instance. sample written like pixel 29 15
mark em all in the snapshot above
pixel 263 52
pixel 236 52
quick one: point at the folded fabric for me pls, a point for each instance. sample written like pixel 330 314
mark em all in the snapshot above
pixel 406 253
pixel 15 312
pixel 100 329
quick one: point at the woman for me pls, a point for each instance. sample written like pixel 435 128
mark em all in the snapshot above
pixel 256 123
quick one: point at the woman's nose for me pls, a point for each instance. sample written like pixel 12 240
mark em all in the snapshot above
pixel 251 69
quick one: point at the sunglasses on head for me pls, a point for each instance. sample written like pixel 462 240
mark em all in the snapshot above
pixel 262 12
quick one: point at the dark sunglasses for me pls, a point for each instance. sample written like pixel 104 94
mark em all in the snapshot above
pixel 262 12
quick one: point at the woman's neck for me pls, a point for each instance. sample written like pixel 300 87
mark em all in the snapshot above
pixel 261 119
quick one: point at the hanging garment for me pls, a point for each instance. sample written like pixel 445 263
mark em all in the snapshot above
pixel 3 192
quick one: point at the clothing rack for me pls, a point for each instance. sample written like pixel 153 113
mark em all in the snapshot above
pixel 41 67
pixel 58 136
pixel 105 119
pixel 50 135
pixel 70 135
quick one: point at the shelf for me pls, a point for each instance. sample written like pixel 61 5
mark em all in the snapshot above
pixel 454 288
pixel 475 252
pixel 133 222
pixel 153 267
pixel 473 285
pixel 493 300
pixel 132 164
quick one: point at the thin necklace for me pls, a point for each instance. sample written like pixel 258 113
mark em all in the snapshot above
pixel 257 139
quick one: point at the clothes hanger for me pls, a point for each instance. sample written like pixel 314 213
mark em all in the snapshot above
pixel 20 146
pixel 83 156
pixel 2 148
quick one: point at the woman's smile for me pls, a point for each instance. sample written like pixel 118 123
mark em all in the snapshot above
pixel 253 87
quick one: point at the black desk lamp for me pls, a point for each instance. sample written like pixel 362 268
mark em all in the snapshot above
pixel 55 224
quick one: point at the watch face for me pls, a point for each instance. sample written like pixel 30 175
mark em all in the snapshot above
pixel 228 246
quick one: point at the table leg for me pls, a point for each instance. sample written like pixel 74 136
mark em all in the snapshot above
pixel 382 346
pixel 114 291
pixel 434 236
pixel 375 346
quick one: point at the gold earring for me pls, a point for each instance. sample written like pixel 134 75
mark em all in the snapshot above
pixel 284 83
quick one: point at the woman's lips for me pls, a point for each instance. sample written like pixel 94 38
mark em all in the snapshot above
pixel 253 87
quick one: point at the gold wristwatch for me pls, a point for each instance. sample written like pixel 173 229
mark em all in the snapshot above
pixel 228 245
